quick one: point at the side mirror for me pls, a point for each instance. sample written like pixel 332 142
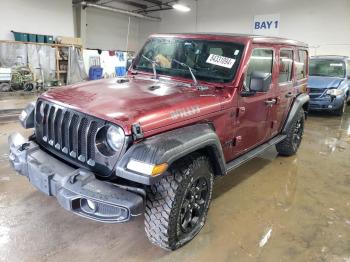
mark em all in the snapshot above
pixel 260 81
pixel 129 62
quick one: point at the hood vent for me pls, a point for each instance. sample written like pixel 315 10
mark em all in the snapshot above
pixel 152 88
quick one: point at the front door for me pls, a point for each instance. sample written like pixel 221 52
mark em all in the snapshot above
pixel 253 125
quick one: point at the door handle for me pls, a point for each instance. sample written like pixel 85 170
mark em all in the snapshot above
pixel 271 102
pixel 289 94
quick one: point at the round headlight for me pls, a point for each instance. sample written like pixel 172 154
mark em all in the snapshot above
pixel 115 137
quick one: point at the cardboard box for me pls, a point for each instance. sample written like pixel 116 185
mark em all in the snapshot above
pixel 68 40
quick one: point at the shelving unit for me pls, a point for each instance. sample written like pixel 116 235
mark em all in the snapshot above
pixel 61 63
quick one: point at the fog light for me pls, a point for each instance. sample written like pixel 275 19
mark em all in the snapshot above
pixel 91 204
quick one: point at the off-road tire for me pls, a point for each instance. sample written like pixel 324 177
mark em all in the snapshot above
pixel 289 146
pixel 340 111
pixel 165 200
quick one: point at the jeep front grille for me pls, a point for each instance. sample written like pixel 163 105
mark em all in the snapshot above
pixel 72 135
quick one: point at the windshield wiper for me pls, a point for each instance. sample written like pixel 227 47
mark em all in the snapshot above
pixel 153 63
pixel 195 82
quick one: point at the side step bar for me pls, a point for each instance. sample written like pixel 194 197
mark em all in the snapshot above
pixel 253 153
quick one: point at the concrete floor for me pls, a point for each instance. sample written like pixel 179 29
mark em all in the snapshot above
pixel 271 209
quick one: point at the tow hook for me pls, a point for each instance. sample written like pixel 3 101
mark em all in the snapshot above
pixel 24 146
pixel 73 178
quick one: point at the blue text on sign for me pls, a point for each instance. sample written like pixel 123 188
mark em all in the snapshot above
pixel 266 25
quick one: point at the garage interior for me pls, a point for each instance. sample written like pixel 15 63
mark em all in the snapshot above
pixel 272 208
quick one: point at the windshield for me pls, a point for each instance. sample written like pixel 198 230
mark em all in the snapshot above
pixel 212 61
pixel 327 67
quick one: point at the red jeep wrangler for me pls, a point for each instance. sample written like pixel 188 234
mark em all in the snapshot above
pixel 193 107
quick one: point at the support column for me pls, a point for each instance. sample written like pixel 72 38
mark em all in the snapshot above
pixel 80 25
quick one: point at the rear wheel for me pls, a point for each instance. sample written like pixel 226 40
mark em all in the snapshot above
pixel 177 206
pixel 289 146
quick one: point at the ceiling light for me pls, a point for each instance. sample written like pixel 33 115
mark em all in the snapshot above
pixel 181 8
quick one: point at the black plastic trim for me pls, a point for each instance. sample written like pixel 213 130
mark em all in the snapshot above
pixel 253 153
pixel 169 147
pixel 298 103
pixel 54 177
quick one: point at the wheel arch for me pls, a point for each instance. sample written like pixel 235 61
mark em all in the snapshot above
pixel 211 152
pixel 170 147
pixel 306 108
pixel 300 102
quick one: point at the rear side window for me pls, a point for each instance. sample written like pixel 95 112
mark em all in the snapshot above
pixel 286 65
pixel 301 64
pixel 260 61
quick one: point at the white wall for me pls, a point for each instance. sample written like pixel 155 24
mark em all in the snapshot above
pixel 108 30
pixel 320 23
pixel 52 17
pixel 172 22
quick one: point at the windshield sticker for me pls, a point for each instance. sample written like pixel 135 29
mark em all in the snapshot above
pixel 236 52
pixel 337 65
pixel 221 61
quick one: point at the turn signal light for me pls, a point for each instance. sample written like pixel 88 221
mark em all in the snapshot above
pixel 146 168
pixel 159 169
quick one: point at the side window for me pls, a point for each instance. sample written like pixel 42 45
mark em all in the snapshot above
pixel 348 69
pixel 286 65
pixel 301 64
pixel 260 61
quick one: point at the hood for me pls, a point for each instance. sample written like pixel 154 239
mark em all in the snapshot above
pixel 324 82
pixel 144 101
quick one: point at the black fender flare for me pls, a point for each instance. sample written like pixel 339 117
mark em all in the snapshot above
pixel 171 146
pixel 301 101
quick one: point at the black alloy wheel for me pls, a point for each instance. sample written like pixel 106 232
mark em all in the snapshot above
pixel 193 205
pixel 298 133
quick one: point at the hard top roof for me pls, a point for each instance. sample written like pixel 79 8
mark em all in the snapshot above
pixel 338 57
pixel 253 38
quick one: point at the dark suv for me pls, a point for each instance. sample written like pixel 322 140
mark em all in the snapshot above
pixel 193 108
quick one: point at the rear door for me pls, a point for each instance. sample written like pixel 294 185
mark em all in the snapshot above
pixel 301 69
pixel 253 125
pixel 285 90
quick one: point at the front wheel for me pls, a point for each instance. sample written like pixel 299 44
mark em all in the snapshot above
pixel 177 206
pixel 289 146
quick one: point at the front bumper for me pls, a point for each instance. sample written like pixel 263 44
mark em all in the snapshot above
pixel 76 190
pixel 326 103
